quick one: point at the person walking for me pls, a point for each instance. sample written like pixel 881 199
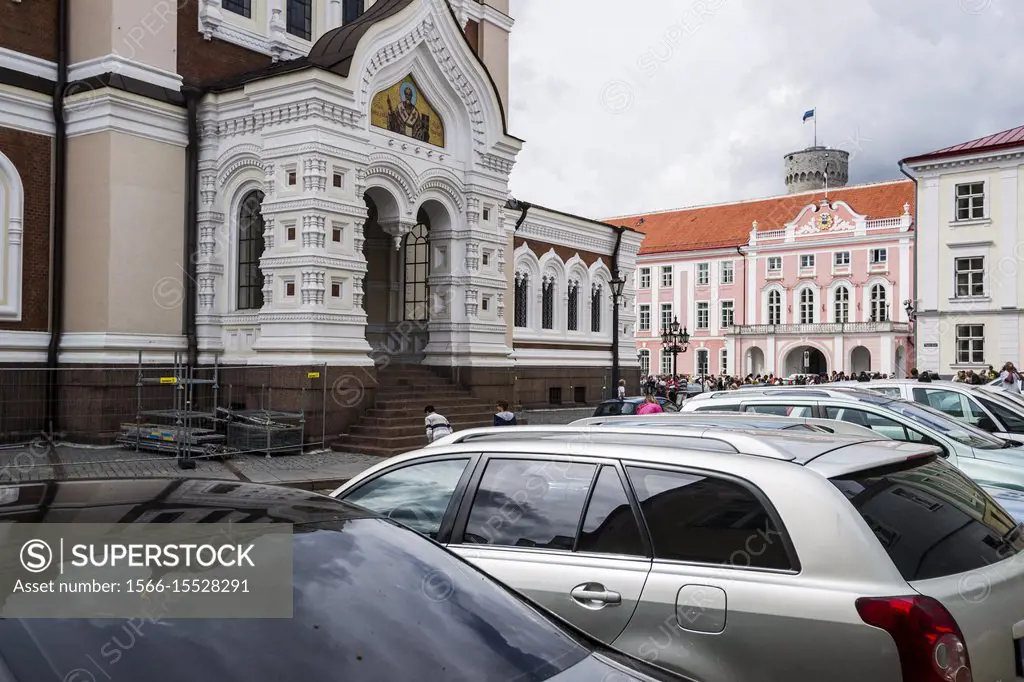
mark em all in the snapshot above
pixel 503 416
pixel 437 426
pixel 620 392
pixel 649 406
pixel 1010 378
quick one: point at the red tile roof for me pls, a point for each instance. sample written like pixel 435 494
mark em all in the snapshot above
pixel 1008 138
pixel 728 225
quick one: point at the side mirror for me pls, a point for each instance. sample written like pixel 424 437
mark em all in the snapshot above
pixel 986 424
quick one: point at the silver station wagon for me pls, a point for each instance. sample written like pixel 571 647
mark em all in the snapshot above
pixel 991 461
pixel 747 556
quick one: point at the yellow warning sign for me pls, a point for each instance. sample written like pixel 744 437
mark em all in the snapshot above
pixel 168 380
pixel 313 375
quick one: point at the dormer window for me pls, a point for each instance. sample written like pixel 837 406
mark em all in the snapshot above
pixel 300 18
pixel 242 7
pixel 352 10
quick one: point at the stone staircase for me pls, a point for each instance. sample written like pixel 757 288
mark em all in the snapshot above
pixel 395 423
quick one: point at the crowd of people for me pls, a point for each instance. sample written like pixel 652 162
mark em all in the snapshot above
pixel 673 386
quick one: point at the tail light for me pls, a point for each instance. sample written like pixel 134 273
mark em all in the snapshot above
pixel 930 644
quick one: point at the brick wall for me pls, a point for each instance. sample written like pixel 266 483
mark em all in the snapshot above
pixel 203 61
pixel 30 154
pixel 29 27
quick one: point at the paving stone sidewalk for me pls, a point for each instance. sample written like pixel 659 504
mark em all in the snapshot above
pixel 320 470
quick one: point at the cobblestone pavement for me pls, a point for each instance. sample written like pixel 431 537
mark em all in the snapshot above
pixel 42 461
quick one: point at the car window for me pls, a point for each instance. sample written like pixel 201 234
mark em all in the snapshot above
pixel 615 408
pixel 717 408
pixel 802 411
pixel 1012 421
pixel 892 391
pixel 956 405
pixel 877 423
pixel 416 496
pixel 707 520
pixel 609 526
pixel 372 603
pixel 529 503
pixel 932 520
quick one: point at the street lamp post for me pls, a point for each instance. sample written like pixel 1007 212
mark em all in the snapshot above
pixel 675 342
pixel 617 285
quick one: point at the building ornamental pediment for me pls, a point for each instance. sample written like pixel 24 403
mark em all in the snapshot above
pixel 826 218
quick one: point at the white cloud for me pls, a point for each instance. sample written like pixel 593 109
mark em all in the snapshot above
pixel 653 104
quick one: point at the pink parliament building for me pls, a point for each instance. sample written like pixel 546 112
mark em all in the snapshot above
pixel 811 281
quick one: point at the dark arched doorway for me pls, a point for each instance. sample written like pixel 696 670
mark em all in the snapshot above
pixel 806 360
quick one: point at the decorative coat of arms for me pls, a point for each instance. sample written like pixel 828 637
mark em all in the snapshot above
pixel 826 221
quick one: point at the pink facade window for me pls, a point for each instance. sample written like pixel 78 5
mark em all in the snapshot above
pixel 774 307
pixel 644 317
pixel 703 315
pixel 879 306
pixel 842 304
pixel 728 275
pixel 807 306
pixel 645 278
pixel 703 274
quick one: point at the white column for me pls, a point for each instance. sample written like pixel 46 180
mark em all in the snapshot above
pixel 888 355
pixel 1008 238
pixel 334 14
pixel 839 354
pixel 904 283
pixel 770 358
pixel 928 235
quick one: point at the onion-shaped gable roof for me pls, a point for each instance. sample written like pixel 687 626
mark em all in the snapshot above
pixel 335 49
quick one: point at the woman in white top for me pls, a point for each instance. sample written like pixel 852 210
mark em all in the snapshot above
pixel 1010 379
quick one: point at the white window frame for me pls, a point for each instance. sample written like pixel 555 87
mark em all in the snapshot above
pixel 644 360
pixel 836 257
pixel 643 316
pixel 969 273
pixel 703 274
pixel 667 277
pixel 774 271
pixel 767 319
pixel 12 226
pixel 661 316
pixel 873 258
pixel 723 362
pixel 727 269
pixel 970 203
pixel 705 308
pixel 723 306
pixel 698 366
pixel 807 270
pixel 801 303
pixel 836 318
pixel 873 304
pixel 645 278
pixel 972 337
pixel 665 363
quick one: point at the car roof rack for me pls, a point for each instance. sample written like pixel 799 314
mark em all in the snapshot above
pixel 781 445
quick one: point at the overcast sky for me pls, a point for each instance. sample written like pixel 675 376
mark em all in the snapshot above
pixel 656 104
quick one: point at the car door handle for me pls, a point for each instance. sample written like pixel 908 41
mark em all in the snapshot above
pixel 593 593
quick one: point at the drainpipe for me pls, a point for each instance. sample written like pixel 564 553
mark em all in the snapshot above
pixel 619 231
pixel 192 98
pixel 60 171
pixel 516 205
pixel 913 296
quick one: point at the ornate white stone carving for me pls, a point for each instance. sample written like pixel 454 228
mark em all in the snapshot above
pixel 313 287
pixel 314 232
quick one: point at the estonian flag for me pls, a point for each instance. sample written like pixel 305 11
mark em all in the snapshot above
pixel 808 114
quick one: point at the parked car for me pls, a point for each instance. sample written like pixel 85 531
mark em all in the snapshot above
pixel 729 419
pixel 628 406
pixel 988 460
pixel 988 410
pixel 839 558
pixel 373 602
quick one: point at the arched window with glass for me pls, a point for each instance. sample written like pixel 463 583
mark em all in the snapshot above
pixel 522 299
pixel 250 249
pixel 416 269
pixel 595 309
pixel 774 307
pixel 644 356
pixel 547 303
pixel 807 306
pixel 879 305
pixel 842 304
pixel 573 307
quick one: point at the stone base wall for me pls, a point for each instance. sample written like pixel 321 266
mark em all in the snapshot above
pixel 539 387
pixel 94 401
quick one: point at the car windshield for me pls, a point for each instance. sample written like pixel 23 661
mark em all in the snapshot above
pixel 614 408
pixel 372 602
pixel 959 431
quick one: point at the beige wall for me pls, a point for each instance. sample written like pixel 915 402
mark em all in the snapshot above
pixel 494 52
pixel 126 212
pixel 144 31
pixel 88 235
